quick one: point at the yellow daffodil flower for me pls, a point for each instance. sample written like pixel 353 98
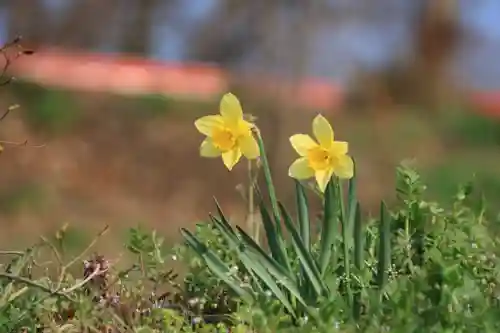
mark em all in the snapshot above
pixel 322 158
pixel 228 134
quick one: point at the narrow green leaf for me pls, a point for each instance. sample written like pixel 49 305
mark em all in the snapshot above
pixel 261 266
pixel 265 269
pixel 269 184
pixel 347 226
pixel 352 202
pixel 274 239
pixel 359 240
pixel 271 234
pixel 235 244
pixel 384 253
pixel 306 261
pixel 249 241
pixel 259 256
pixel 330 227
pixel 346 237
pixel 304 226
pixel 223 218
pixel 254 263
pixel 303 215
pixel 215 264
pixel 358 258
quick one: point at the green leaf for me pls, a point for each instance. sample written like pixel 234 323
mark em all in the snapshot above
pixel 330 227
pixel 223 219
pixel 359 239
pixel 352 203
pixel 235 243
pixel 281 275
pixel 358 258
pixel 249 241
pixel 304 226
pixel 384 253
pixel 346 234
pixel 307 262
pixel 253 262
pixel 215 264
pixel 260 265
pixel 274 238
pixel 265 269
pixel 303 215
pixel 257 267
pixel 269 184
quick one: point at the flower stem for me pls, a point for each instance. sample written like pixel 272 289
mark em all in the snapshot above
pixel 269 182
pixel 252 226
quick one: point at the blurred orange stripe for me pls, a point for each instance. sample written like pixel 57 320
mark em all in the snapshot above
pixel 131 75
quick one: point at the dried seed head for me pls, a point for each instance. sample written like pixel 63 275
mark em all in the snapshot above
pixel 98 269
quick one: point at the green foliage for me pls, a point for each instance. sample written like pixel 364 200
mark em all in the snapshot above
pixel 417 267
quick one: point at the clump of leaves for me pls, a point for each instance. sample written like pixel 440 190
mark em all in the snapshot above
pixel 416 266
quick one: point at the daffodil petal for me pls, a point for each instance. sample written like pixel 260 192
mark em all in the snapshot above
pixel 323 131
pixel 249 147
pixel 230 108
pixel 230 158
pixel 206 124
pixel 339 148
pixel 207 149
pixel 323 177
pixel 300 169
pixel 302 143
pixel 345 167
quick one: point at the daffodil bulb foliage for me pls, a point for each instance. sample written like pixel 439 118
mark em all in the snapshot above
pixel 321 158
pixel 228 135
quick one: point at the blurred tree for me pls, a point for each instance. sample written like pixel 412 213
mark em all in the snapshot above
pixel 270 36
pixel 86 24
pixel 232 32
pixel 437 38
pixel 27 18
pixel 420 79
pixel 137 23
pixel 89 24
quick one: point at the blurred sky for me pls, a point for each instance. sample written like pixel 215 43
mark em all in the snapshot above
pixel 341 49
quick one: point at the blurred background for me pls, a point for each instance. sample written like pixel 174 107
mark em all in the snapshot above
pixel 114 87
